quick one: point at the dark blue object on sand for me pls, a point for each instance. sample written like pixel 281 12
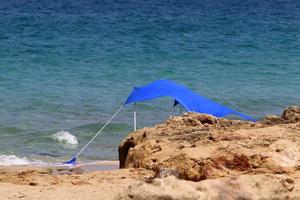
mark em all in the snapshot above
pixel 71 162
pixel 191 101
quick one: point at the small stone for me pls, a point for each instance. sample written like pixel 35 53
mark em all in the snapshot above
pixel 288 183
pixel 165 172
pixel 33 184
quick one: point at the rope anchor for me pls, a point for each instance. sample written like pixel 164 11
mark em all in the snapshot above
pixel 73 160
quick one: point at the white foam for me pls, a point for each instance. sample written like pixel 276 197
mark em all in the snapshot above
pixel 8 160
pixel 65 137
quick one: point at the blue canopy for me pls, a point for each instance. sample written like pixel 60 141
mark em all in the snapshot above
pixel 191 101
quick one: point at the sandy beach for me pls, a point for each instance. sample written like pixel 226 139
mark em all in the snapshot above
pixel 32 183
pixel 191 156
pixel 150 100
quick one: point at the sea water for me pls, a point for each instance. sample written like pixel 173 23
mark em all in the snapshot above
pixel 66 66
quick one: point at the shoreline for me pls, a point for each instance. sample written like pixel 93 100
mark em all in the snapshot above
pixel 80 168
pixel 192 156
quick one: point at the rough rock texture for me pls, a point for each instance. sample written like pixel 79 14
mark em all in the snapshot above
pixel 197 147
pixel 291 114
pixel 272 120
pixel 246 187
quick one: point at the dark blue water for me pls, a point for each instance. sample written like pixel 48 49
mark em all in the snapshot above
pixel 69 65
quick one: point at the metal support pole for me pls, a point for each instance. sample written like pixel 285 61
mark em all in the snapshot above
pixel 171 111
pixel 180 109
pixel 134 118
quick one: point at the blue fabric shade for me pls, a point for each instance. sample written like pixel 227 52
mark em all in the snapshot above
pixel 191 101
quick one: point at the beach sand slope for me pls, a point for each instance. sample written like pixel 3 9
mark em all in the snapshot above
pixel 35 183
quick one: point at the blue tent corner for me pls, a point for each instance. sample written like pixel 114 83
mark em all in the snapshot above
pixel 190 100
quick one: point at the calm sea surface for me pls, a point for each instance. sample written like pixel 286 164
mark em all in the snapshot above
pixel 68 65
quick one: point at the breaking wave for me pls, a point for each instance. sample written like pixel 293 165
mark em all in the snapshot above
pixel 65 137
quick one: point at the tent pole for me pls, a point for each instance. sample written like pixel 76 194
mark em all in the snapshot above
pixel 171 111
pixel 134 117
pixel 180 109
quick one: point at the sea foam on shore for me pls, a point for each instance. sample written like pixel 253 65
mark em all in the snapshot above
pixel 8 160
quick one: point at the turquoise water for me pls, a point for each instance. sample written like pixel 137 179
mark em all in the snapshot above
pixel 69 65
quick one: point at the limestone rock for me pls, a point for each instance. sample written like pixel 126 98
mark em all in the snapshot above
pixel 291 114
pixel 272 120
pixel 225 153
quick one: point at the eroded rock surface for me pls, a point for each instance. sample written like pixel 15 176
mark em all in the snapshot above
pixel 291 114
pixel 198 147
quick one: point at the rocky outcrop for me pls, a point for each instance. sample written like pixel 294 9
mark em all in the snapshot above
pixel 272 120
pixel 197 147
pixel 201 147
pixel 291 114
